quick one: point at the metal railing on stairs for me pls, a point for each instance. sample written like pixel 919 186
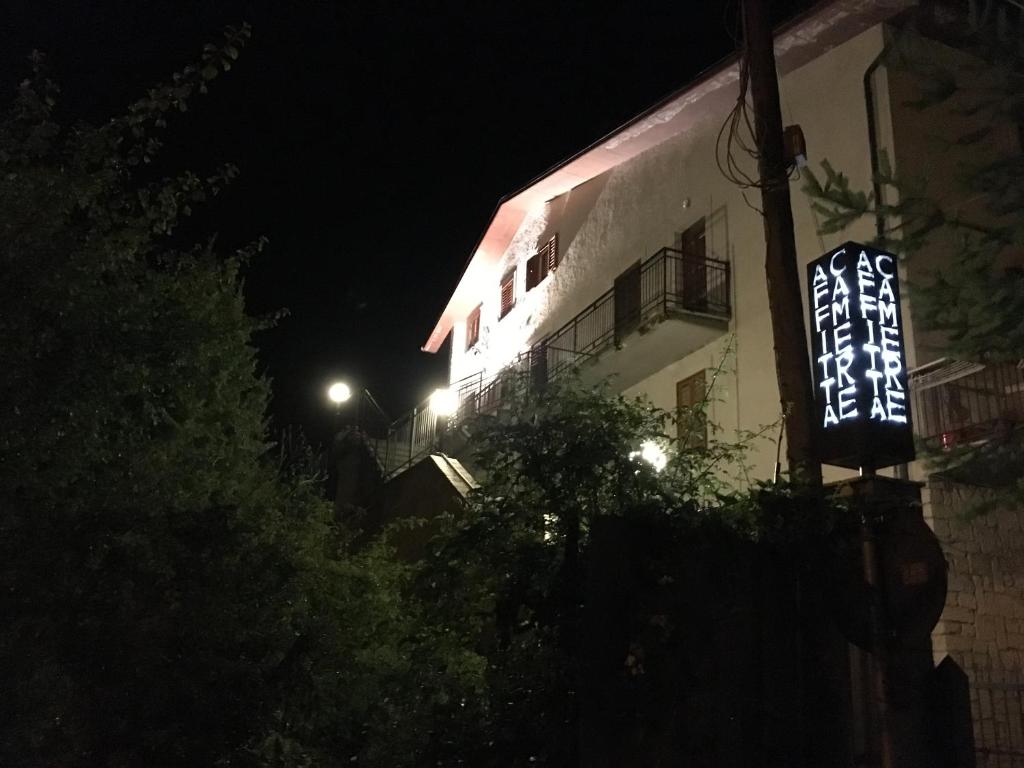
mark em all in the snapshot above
pixel 406 440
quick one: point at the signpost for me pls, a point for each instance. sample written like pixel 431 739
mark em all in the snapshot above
pixel 862 411
pixel 862 407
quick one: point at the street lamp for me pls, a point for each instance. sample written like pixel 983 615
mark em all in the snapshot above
pixel 651 452
pixel 444 402
pixel 339 392
pixel 654 455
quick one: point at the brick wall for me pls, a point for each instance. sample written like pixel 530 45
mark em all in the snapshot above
pixel 982 626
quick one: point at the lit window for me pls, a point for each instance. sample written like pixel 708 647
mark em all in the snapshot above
pixel 508 293
pixel 473 328
pixel 541 263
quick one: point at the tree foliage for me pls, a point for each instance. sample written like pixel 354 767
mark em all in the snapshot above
pixel 171 595
pixel 509 575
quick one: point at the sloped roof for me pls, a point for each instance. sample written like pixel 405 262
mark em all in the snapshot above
pixel 824 27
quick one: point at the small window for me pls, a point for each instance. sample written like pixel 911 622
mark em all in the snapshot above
pixel 541 263
pixel 473 328
pixel 508 293
pixel 533 276
pixel 691 412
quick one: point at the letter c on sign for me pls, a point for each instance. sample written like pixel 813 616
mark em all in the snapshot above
pixel 878 265
pixel 832 262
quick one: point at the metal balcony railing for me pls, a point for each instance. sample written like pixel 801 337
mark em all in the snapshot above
pixel 958 403
pixel 669 282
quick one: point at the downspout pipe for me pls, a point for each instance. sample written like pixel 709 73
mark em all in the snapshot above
pixel 869 110
pixel 902 471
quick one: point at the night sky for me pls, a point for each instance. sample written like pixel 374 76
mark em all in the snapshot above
pixel 374 140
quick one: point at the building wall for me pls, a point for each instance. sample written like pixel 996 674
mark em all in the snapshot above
pixel 982 626
pixel 747 395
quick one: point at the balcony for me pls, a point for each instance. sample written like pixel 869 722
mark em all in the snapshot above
pixel 692 292
pixel 657 312
pixel 958 404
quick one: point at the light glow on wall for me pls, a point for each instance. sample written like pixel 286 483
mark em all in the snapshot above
pixel 502 340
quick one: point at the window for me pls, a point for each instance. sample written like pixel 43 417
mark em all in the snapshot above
pixel 541 263
pixel 508 293
pixel 692 273
pixel 627 302
pixel 533 272
pixel 473 328
pixel 691 413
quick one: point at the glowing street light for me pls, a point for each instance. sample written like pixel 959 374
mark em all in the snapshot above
pixel 339 392
pixel 653 454
pixel 444 402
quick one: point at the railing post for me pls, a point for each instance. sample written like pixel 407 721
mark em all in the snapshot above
pixel 728 286
pixel 412 434
pixel 664 282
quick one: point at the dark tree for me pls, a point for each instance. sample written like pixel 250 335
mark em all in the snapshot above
pixel 512 576
pixel 171 595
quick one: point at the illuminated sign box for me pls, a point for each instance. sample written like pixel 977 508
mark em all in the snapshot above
pixel 862 403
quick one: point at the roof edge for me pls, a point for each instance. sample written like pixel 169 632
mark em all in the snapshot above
pixel 873 11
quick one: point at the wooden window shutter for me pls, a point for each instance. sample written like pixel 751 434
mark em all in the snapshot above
pixel 551 262
pixel 692 274
pixel 693 240
pixel 541 263
pixel 508 293
pixel 691 414
pixel 473 328
pixel 533 271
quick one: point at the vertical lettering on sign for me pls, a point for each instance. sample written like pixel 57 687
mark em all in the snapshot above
pixel 859 362
pixel 822 305
pixel 859 367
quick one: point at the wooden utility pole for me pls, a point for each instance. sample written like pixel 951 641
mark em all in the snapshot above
pixel 813 676
pixel 784 296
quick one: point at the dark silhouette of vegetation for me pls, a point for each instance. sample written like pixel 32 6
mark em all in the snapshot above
pixel 172 593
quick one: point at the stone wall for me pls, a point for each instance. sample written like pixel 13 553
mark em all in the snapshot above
pixel 982 627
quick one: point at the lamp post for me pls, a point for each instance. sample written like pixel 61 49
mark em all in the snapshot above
pixel 339 392
pixel 345 457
